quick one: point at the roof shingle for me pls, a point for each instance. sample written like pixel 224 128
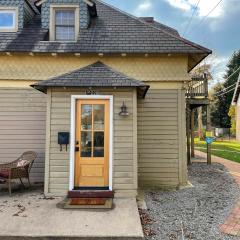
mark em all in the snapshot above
pixel 94 75
pixel 113 31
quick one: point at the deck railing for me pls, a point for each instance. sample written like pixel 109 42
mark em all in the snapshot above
pixel 197 88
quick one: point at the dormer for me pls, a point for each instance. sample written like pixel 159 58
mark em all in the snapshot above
pixel 64 18
pixel 14 15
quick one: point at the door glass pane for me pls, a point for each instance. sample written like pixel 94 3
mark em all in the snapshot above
pixel 98 150
pixel 86 144
pixel 98 117
pixel 86 117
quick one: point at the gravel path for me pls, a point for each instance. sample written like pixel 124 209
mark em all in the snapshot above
pixel 194 213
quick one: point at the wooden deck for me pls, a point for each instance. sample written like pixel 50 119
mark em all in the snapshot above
pixel 197 95
pixel 197 92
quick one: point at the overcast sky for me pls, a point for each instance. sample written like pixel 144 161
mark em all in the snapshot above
pixel 220 31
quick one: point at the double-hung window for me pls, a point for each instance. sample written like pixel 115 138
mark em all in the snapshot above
pixel 8 20
pixel 65 25
pixel 64 22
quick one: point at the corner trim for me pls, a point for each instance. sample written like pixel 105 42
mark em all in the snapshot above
pixel 47 145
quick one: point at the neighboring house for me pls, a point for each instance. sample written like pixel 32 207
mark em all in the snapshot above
pixel 115 82
pixel 236 102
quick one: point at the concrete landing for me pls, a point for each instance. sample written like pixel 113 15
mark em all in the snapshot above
pixel 29 215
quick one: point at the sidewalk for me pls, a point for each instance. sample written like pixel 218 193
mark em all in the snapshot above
pixel 233 167
pixel 232 224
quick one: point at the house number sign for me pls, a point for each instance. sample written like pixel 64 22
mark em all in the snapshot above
pixel 91 92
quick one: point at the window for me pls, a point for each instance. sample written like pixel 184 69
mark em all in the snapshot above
pixel 65 25
pixel 64 22
pixel 8 20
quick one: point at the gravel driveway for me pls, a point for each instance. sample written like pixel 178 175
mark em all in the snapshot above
pixel 194 213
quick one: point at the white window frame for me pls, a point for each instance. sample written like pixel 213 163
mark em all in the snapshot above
pixel 74 99
pixel 53 8
pixel 14 11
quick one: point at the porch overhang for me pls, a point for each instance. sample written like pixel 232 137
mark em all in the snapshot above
pixel 96 75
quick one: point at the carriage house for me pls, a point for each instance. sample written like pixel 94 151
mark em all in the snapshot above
pixel 99 94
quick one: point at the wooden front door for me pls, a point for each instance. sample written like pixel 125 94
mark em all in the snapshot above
pixel 92 144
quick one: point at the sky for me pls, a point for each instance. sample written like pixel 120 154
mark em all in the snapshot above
pixel 218 29
pixel 6 19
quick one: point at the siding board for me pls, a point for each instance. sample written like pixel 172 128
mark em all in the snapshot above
pixel 22 126
pixel 158 139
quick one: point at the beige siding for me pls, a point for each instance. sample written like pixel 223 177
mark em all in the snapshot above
pixel 42 67
pixel 160 133
pixel 124 156
pixel 22 126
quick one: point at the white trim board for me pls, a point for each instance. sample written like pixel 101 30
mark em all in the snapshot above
pixel 74 98
pixel 88 2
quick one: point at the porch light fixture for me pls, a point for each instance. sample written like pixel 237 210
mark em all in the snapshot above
pixel 124 112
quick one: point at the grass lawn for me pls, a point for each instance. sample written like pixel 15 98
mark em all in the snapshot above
pixel 226 149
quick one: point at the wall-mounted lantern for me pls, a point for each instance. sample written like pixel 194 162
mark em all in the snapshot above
pixel 124 112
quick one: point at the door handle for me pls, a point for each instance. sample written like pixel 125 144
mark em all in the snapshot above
pixel 76 149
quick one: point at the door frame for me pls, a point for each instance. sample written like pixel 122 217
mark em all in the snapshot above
pixel 74 99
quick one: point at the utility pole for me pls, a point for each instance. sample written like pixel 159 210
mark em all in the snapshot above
pixel 209 129
pixel 192 133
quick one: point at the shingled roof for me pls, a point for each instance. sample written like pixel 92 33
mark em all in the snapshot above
pixel 113 31
pixel 95 75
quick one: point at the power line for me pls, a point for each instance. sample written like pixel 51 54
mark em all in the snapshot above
pixel 225 92
pixel 205 17
pixel 228 79
pixel 189 23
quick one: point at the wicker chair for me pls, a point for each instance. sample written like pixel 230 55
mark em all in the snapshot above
pixel 18 169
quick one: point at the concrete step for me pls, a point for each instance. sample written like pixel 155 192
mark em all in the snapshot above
pixel 90 194
pixel 42 220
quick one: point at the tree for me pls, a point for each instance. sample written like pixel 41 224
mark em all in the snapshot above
pixel 232 115
pixel 219 111
pixel 233 65
pixel 223 93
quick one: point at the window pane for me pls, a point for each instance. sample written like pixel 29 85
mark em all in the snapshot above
pixel 65 17
pixel 98 150
pixel 86 144
pixel 65 33
pixel 7 19
pixel 98 111
pixel 86 117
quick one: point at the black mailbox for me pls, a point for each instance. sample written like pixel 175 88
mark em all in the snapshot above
pixel 63 139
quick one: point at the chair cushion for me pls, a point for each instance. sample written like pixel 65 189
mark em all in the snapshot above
pixel 4 174
pixel 22 163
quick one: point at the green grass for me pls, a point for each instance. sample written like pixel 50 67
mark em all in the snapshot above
pixel 227 149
